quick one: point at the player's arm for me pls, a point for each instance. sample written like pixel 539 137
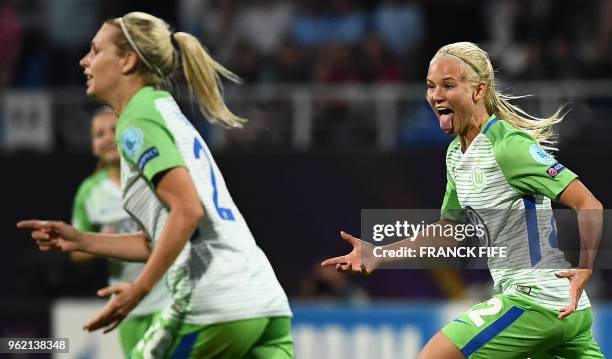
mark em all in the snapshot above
pixel 590 219
pixel 57 235
pixel 177 190
pixel 81 257
pixel 590 223
pixel 131 247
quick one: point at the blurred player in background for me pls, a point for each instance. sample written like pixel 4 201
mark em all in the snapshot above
pixel 98 208
pixel 497 162
pixel 226 300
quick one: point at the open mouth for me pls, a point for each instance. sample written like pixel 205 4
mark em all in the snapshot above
pixel 444 111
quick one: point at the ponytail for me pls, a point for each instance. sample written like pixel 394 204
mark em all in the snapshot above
pixel 151 39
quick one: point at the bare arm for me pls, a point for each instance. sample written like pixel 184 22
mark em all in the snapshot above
pixel 590 219
pixel 132 247
pixel 81 257
pixel 57 235
pixel 590 223
pixel 178 191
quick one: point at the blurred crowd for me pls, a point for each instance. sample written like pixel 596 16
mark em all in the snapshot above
pixel 322 41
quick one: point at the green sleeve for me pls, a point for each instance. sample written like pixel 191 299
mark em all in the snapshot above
pixel 451 209
pixel 529 168
pixel 150 146
pixel 80 219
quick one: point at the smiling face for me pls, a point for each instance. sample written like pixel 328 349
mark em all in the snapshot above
pixel 104 64
pixel 103 138
pixel 455 100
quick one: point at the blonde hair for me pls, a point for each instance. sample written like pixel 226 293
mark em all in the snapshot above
pixel 497 102
pixel 153 42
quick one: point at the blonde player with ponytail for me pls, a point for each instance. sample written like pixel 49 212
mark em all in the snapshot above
pixel 226 300
pixel 499 172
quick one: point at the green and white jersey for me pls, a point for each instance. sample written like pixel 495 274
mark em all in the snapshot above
pixel 221 275
pixel 98 208
pixel 507 180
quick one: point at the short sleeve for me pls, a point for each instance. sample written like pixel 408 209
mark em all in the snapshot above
pixel 530 169
pixel 451 209
pixel 149 146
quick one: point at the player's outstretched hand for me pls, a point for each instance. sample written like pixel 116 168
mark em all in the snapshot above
pixel 53 235
pixel 360 260
pixel 126 297
pixel 578 279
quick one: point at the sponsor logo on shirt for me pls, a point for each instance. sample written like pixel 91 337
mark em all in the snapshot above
pixel 554 170
pixel 147 156
pixel 538 154
pixel 132 140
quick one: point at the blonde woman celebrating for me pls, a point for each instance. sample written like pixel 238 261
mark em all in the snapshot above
pixel 497 161
pixel 226 300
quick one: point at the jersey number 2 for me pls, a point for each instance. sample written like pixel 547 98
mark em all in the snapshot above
pixel 495 306
pixel 224 213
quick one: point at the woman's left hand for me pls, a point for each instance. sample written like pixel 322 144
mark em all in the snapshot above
pixel 126 297
pixel 578 279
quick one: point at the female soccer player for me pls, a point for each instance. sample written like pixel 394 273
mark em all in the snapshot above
pixel 97 208
pixel 226 300
pixel 496 162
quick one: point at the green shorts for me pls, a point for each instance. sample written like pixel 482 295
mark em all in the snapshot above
pixel 258 338
pixel 131 330
pixel 511 326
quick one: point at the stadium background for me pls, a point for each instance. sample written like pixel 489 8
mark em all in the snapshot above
pixel 334 91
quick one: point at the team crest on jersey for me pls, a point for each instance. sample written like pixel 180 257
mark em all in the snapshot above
pixel 540 155
pixel 479 179
pixel 132 140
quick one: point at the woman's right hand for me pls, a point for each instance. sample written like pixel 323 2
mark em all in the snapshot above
pixel 361 259
pixel 53 235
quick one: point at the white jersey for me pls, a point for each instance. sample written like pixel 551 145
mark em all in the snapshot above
pixel 221 275
pixel 98 208
pixel 506 180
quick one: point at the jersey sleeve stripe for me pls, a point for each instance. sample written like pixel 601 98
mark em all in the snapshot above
pixel 533 234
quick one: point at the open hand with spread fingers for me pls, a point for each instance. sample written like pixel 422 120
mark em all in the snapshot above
pixel 578 279
pixel 360 260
